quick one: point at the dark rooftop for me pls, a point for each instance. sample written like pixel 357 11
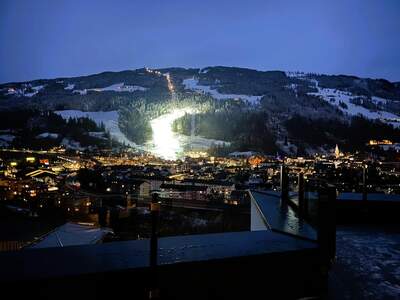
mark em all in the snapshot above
pixel 281 218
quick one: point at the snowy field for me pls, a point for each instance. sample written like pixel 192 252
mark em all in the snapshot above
pixel 108 118
pixel 336 97
pixel 368 263
pixel 23 91
pixel 342 100
pixel 118 87
pixel 47 135
pixel 193 84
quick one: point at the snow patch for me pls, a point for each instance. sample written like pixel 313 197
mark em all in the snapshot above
pixel 47 135
pixel 81 92
pixel 193 84
pixel 70 86
pixel 23 91
pixel 373 256
pixel 36 90
pixel 7 137
pixel 71 144
pixel 204 71
pixel 342 100
pixel 118 87
pixel 108 118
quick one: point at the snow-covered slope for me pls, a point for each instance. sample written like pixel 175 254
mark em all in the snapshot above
pixel 23 91
pixel 193 84
pixel 108 118
pixel 343 101
pixel 118 87
pixel 47 135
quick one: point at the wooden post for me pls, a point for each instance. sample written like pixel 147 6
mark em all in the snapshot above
pixel 327 223
pixel 301 204
pixel 284 185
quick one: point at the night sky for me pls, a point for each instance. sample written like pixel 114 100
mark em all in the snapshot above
pixel 46 39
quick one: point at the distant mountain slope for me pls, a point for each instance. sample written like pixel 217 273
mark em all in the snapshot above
pixel 269 99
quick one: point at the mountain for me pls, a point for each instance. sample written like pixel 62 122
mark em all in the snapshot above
pixel 268 111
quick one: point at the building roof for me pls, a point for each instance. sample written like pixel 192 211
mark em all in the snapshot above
pixel 72 234
pixel 281 218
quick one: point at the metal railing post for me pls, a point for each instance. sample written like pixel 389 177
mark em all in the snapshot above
pixel 154 292
pixel 327 223
pixel 301 204
pixel 284 185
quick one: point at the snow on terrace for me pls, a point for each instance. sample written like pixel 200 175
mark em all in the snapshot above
pixel 108 118
pixel 337 98
pixel 369 258
pixel 193 84
pixel 118 87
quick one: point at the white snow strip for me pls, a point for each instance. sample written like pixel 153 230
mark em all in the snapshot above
pixel 23 90
pixel 193 84
pixel 70 86
pixel 82 92
pixel 118 87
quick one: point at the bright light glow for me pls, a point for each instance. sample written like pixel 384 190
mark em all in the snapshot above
pixel 165 142
pixel 169 83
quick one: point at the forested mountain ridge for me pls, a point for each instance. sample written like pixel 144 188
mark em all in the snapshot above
pixel 255 110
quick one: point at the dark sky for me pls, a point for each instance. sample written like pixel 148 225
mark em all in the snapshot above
pixel 46 39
